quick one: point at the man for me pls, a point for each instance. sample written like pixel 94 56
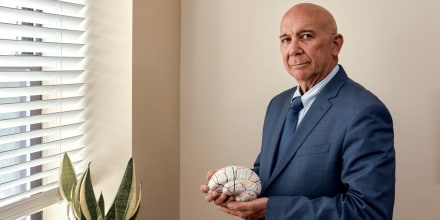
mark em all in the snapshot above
pixel 340 161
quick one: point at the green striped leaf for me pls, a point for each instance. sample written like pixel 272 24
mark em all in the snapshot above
pixel 101 205
pixel 125 191
pixel 132 215
pixel 89 205
pixel 67 178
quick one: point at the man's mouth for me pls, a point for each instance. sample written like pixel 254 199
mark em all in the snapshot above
pixel 298 64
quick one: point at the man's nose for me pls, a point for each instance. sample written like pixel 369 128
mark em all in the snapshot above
pixel 295 48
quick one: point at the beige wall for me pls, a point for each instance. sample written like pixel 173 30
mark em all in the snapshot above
pixel 231 67
pixel 156 52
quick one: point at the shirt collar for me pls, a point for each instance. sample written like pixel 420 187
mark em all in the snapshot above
pixel 313 92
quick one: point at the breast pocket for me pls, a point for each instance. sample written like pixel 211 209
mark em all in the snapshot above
pixel 316 163
pixel 311 150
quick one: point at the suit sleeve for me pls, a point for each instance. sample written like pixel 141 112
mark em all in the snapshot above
pixel 367 174
pixel 256 168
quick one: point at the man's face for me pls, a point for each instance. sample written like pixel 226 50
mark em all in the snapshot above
pixel 309 46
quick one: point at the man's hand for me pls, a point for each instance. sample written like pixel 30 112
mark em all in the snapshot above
pixel 219 199
pixel 250 210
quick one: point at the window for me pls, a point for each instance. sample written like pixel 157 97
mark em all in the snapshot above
pixel 42 96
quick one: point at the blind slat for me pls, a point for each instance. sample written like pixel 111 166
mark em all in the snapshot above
pixel 29 202
pixel 21 166
pixel 52 6
pixel 66 116
pixel 66 76
pixel 28 179
pixel 50 20
pixel 63 90
pixel 49 103
pixel 48 48
pixel 37 176
pixel 38 61
pixel 71 143
pixel 49 34
pixel 60 131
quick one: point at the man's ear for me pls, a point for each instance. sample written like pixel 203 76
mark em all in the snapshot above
pixel 338 41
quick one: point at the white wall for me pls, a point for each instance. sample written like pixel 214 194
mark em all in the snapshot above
pixel 109 110
pixel 110 93
pixel 231 67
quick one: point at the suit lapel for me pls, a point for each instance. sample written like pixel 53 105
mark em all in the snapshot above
pixel 316 112
pixel 304 129
pixel 275 135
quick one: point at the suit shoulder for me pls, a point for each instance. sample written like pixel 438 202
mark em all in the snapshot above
pixel 356 96
pixel 284 95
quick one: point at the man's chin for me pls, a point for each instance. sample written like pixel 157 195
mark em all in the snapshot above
pixel 299 75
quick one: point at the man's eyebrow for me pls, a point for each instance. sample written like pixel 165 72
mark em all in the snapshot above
pixel 283 35
pixel 300 32
pixel 306 31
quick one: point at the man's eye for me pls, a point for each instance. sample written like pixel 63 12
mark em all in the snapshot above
pixel 306 36
pixel 285 40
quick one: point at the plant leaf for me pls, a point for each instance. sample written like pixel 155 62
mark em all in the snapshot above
pixel 76 197
pixel 68 210
pixel 83 217
pixel 122 199
pixel 67 178
pixel 125 191
pixel 134 205
pixel 132 202
pixel 111 214
pixel 99 208
pixel 132 216
pixel 88 201
pixel 101 205
pixel 84 209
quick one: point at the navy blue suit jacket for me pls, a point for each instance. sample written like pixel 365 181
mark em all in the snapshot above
pixel 341 161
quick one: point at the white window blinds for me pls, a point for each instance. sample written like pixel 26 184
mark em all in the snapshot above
pixel 42 92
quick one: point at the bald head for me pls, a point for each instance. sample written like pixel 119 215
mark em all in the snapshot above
pixel 320 15
pixel 309 43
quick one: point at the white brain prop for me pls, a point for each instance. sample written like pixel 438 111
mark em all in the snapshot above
pixel 240 182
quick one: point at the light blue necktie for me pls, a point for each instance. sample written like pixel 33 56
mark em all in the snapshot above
pixel 290 124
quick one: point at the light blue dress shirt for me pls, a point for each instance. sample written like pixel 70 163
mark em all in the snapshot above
pixel 309 97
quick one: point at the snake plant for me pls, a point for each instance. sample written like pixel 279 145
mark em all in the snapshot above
pixel 81 197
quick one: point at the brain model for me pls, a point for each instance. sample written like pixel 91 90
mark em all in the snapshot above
pixel 240 182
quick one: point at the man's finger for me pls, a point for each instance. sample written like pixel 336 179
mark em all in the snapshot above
pixel 204 188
